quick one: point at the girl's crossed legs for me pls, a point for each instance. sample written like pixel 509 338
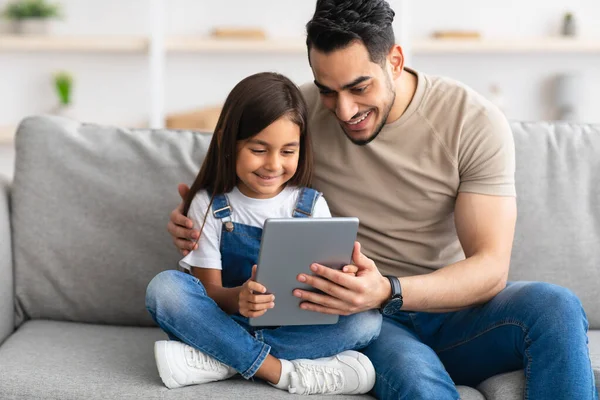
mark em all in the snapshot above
pixel 179 304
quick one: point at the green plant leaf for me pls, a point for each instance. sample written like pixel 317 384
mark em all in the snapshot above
pixel 63 82
pixel 24 9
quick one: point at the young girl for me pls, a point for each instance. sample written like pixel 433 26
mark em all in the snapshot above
pixel 258 166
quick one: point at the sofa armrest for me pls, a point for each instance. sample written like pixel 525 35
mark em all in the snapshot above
pixel 7 292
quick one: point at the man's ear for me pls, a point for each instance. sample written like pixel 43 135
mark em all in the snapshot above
pixel 396 60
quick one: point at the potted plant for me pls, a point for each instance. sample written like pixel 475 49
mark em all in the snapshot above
pixel 569 27
pixel 63 84
pixel 31 16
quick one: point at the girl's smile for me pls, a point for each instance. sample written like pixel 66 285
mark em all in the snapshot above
pixel 269 179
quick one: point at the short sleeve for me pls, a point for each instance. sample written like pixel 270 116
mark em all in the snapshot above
pixel 486 156
pixel 208 254
pixel 321 208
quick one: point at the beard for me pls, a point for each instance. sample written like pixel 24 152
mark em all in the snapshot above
pixel 385 115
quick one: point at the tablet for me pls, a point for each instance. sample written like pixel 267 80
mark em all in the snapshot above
pixel 288 247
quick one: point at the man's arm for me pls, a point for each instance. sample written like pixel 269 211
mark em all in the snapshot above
pixel 485 227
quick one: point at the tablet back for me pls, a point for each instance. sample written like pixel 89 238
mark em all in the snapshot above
pixel 288 247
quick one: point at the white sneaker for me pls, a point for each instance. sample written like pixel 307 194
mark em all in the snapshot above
pixel 349 372
pixel 181 365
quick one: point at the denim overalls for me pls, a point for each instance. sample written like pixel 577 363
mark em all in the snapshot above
pixel 180 305
pixel 240 243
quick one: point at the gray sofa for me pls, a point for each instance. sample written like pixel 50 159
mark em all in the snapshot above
pixel 82 232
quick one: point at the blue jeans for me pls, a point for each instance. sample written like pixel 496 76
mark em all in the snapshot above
pixel 180 306
pixel 538 327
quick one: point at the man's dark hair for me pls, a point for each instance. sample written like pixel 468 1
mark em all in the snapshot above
pixel 337 23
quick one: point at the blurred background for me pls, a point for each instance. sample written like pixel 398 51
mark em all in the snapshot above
pixel 159 63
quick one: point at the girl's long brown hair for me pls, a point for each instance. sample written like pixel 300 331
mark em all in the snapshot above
pixel 253 104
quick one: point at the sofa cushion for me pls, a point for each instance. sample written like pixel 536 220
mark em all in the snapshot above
pixel 7 292
pixel 90 209
pixel 558 198
pixel 594 346
pixel 508 386
pixel 65 360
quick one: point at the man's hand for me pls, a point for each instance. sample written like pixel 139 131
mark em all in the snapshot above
pixel 345 294
pixel 254 305
pixel 181 227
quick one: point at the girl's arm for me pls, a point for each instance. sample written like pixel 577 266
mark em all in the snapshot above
pixel 226 298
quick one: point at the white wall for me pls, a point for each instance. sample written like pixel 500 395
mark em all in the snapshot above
pixel 7 158
pixel 113 88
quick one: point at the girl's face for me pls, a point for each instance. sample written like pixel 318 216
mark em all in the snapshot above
pixel 266 161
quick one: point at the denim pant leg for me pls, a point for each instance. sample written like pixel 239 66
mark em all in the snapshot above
pixel 352 332
pixel 180 306
pixel 538 327
pixel 405 367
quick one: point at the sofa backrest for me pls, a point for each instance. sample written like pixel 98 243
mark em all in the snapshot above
pixel 90 209
pixel 91 204
pixel 557 238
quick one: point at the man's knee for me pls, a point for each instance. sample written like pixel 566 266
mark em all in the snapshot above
pixel 548 295
pixel 551 303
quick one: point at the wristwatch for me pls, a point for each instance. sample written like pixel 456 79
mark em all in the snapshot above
pixel 394 303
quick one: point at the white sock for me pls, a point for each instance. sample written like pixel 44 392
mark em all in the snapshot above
pixel 284 379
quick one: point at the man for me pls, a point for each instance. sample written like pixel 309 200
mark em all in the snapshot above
pixel 428 167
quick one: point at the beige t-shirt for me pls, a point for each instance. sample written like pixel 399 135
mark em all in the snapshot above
pixel 403 185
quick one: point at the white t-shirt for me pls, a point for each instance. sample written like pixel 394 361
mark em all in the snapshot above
pixel 244 210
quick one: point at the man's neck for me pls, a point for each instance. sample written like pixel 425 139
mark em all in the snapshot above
pixel 405 86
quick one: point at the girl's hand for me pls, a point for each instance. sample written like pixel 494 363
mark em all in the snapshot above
pixel 251 303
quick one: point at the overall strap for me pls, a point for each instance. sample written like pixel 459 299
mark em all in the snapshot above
pixel 222 210
pixel 307 198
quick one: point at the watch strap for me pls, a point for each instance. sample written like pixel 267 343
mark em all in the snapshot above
pixel 395 284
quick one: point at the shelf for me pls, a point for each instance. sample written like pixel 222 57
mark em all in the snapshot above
pixel 424 46
pixel 198 44
pixel 209 45
pixel 487 46
pixel 182 44
pixel 113 44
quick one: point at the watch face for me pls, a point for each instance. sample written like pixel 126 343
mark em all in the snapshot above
pixel 392 306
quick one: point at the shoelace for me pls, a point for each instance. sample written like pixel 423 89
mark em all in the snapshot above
pixel 318 379
pixel 197 359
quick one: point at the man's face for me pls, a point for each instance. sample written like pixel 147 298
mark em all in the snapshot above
pixel 358 91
